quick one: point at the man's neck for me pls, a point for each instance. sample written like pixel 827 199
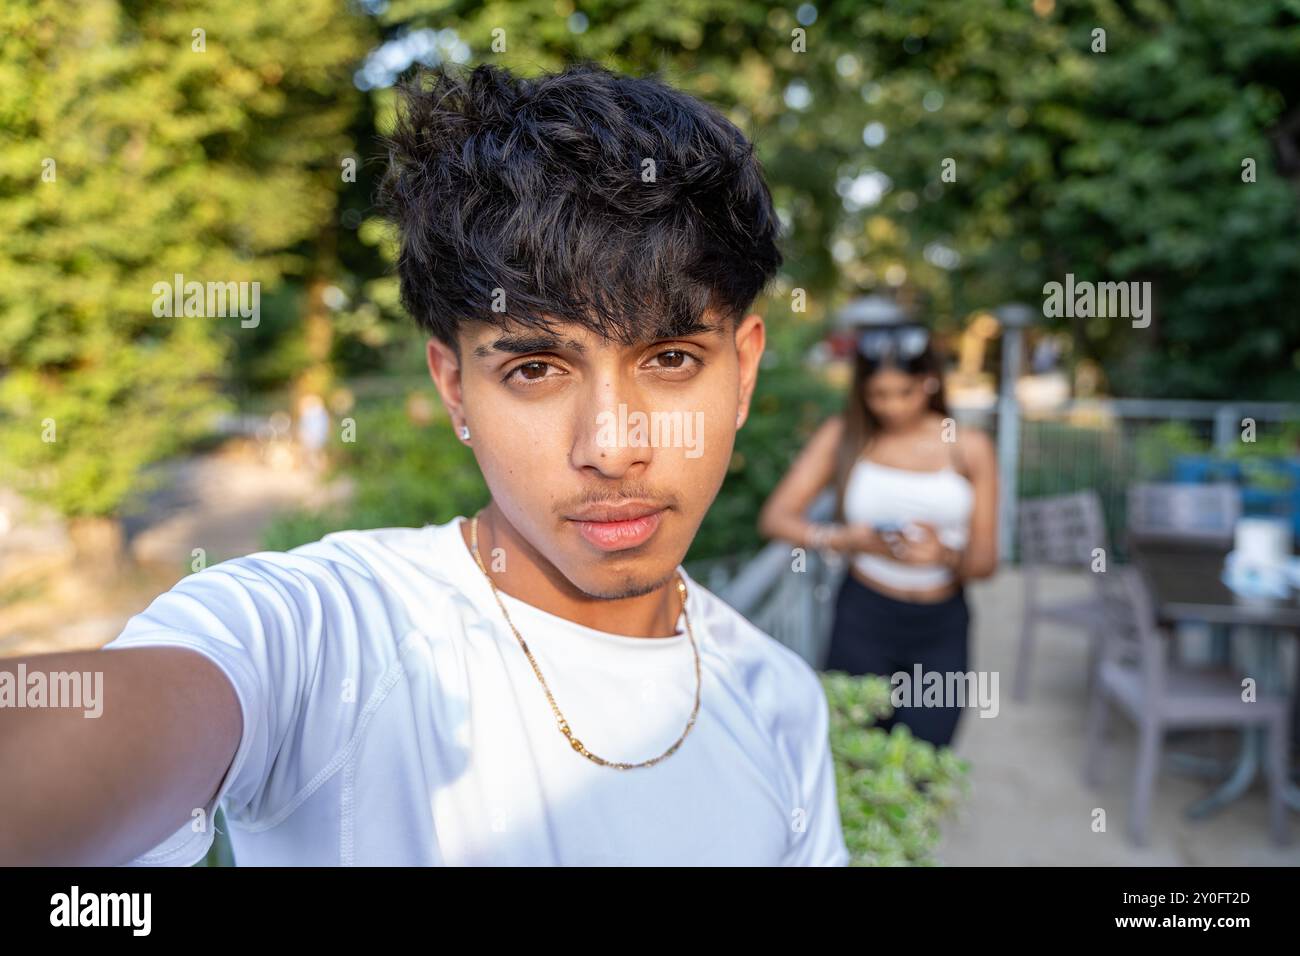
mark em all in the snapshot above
pixel 528 576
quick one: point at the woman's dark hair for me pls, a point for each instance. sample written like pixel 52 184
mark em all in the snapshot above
pixel 584 195
pixel 880 348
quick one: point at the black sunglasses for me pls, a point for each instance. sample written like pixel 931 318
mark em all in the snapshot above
pixel 904 342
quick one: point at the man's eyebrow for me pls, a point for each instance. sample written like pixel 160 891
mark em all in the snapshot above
pixel 540 342
pixel 678 330
pixel 526 344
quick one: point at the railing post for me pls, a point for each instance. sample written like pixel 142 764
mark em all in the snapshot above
pixel 1013 318
pixel 1226 423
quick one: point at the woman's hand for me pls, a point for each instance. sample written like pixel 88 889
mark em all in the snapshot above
pixel 862 539
pixel 920 544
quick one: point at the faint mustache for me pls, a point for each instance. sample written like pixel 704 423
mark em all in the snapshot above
pixel 618 496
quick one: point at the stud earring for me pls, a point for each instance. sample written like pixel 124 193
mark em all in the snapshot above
pixel 464 432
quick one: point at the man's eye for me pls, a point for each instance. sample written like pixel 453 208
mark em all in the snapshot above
pixel 676 359
pixel 530 371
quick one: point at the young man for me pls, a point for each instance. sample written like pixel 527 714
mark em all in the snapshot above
pixel 539 684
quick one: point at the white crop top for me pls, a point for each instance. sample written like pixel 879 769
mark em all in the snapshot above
pixel 877 495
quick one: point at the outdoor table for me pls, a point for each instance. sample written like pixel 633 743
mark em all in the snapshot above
pixel 1187 586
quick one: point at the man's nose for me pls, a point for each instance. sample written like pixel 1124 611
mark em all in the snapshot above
pixel 612 436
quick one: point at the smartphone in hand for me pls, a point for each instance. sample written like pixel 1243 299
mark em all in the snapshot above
pixel 890 532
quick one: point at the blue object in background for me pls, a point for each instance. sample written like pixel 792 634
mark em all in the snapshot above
pixel 1200 469
pixel 1280 502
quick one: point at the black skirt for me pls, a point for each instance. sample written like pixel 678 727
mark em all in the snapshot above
pixel 877 634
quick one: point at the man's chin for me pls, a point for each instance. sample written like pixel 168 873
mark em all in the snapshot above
pixel 621 584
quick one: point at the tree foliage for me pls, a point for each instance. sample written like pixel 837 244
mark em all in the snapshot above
pixel 136 149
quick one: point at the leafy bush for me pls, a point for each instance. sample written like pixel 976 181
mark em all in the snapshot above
pixel 406 473
pixel 1156 448
pixel 894 789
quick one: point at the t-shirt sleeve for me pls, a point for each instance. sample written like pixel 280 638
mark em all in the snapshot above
pixel 820 840
pixel 254 621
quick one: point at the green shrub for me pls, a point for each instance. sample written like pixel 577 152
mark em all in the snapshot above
pixel 893 788
pixel 1155 448
pixel 405 473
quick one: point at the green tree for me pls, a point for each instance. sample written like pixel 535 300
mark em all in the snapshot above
pixel 144 140
pixel 1115 163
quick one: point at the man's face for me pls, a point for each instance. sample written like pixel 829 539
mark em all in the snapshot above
pixel 602 457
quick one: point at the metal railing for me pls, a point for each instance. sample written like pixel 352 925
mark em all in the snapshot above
pixel 789 593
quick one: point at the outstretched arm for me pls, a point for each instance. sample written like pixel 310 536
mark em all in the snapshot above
pixel 99 791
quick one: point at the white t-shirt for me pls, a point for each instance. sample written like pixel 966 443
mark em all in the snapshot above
pixel 390 717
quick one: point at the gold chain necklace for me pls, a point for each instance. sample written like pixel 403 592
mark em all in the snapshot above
pixel 574 742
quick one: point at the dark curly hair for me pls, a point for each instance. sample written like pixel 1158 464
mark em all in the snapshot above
pixel 532 194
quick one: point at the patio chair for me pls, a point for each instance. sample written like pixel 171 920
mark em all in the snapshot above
pixel 1060 531
pixel 1186 511
pixel 1135 678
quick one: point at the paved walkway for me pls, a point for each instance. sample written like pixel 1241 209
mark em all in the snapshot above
pixel 1027 804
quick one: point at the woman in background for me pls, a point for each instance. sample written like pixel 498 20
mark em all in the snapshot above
pixel 916 512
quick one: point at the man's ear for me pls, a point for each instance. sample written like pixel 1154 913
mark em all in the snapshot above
pixel 751 337
pixel 444 369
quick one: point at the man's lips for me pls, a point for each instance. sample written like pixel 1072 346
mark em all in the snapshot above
pixel 623 511
pixel 616 528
